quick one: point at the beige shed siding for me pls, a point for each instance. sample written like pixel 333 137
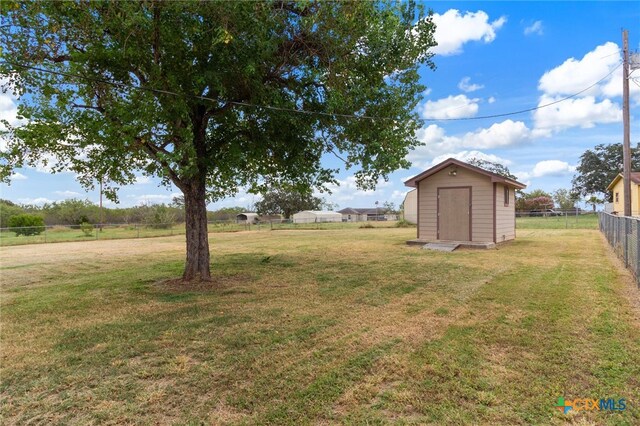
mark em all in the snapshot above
pixel 410 208
pixel 505 215
pixel 481 203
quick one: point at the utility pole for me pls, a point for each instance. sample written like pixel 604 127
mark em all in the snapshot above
pixel 101 211
pixel 626 150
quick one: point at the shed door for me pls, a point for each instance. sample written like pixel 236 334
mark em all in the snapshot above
pixel 454 214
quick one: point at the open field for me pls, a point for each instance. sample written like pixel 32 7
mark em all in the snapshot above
pixel 57 234
pixel 585 221
pixel 318 326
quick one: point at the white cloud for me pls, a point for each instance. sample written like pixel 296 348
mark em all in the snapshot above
pixel 46 162
pixel 8 105
pixel 347 191
pixel 17 176
pixel 491 100
pixel 466 86
pixel 8 111
pixel 468 155
pixel 67 194
pixel 450 107
pixel 398 195
pixel 141 180
pixel 35 201
pixel 575 75
pixel 436 142
pixel 155 198
pixel 552 168
pixel 579 112
pixel 454 29
pixel 547 168
pixel 594 106
pixel 499 135
pixel 535 28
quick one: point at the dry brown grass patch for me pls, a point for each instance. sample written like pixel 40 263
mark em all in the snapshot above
pixel 216 283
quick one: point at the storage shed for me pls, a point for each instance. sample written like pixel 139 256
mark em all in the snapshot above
pixel 315 216
pixel 362 215
pixel 410 206
pixel 247 218
pixel 460 202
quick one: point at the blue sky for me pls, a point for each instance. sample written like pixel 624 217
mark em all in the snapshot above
pixel 492 58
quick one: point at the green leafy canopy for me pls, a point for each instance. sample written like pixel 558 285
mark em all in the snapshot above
pixel 598 168
pixel 120 87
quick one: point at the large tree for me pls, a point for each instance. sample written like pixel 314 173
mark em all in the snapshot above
pixel 287 202
pixel 565 199
pixel 212 96
pixel 493 166
pixel 598 167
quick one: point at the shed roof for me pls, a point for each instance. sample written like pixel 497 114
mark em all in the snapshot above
pixel 635 178
pixel 350 210
pixel 320 212
pixel 413 182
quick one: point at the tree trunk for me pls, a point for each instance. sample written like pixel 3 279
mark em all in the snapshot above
pixel 197 266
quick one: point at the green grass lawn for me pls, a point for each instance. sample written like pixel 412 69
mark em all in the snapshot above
pixel 585 221
pixel 342 326
pixel 57 234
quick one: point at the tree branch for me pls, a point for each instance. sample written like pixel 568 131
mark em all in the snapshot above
pixel 97 108
pixel 58 59
pixel 153 151
pixel 156 33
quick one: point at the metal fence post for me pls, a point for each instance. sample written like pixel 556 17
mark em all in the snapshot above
pixel 623 235
pixel 626 240
pixel 636 236
pixel 45 234
pixel 138 230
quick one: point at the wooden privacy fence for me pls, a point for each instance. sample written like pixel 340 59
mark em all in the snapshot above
pixel 623 234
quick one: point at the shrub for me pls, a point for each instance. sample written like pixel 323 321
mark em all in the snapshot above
pixel 402 223
pixel 87 228
pixel 7 211
pixel 160 217
pixel 367 225
pixel 27 224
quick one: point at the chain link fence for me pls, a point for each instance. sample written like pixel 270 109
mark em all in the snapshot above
pixel 622 233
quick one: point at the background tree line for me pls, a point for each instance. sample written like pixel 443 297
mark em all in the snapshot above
pixel 76 211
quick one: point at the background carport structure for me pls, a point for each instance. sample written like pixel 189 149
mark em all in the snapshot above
pixel 463 203
pixel 247 218
pixel 315 216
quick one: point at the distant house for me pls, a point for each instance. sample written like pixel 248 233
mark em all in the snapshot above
pixel 460 202
pixel 617 188
pixel 247 218
pixel 315 216
pixel 362 215
pixel 410 206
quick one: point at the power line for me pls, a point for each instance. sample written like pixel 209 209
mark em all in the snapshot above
pixel 294 110
pixel 530 109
